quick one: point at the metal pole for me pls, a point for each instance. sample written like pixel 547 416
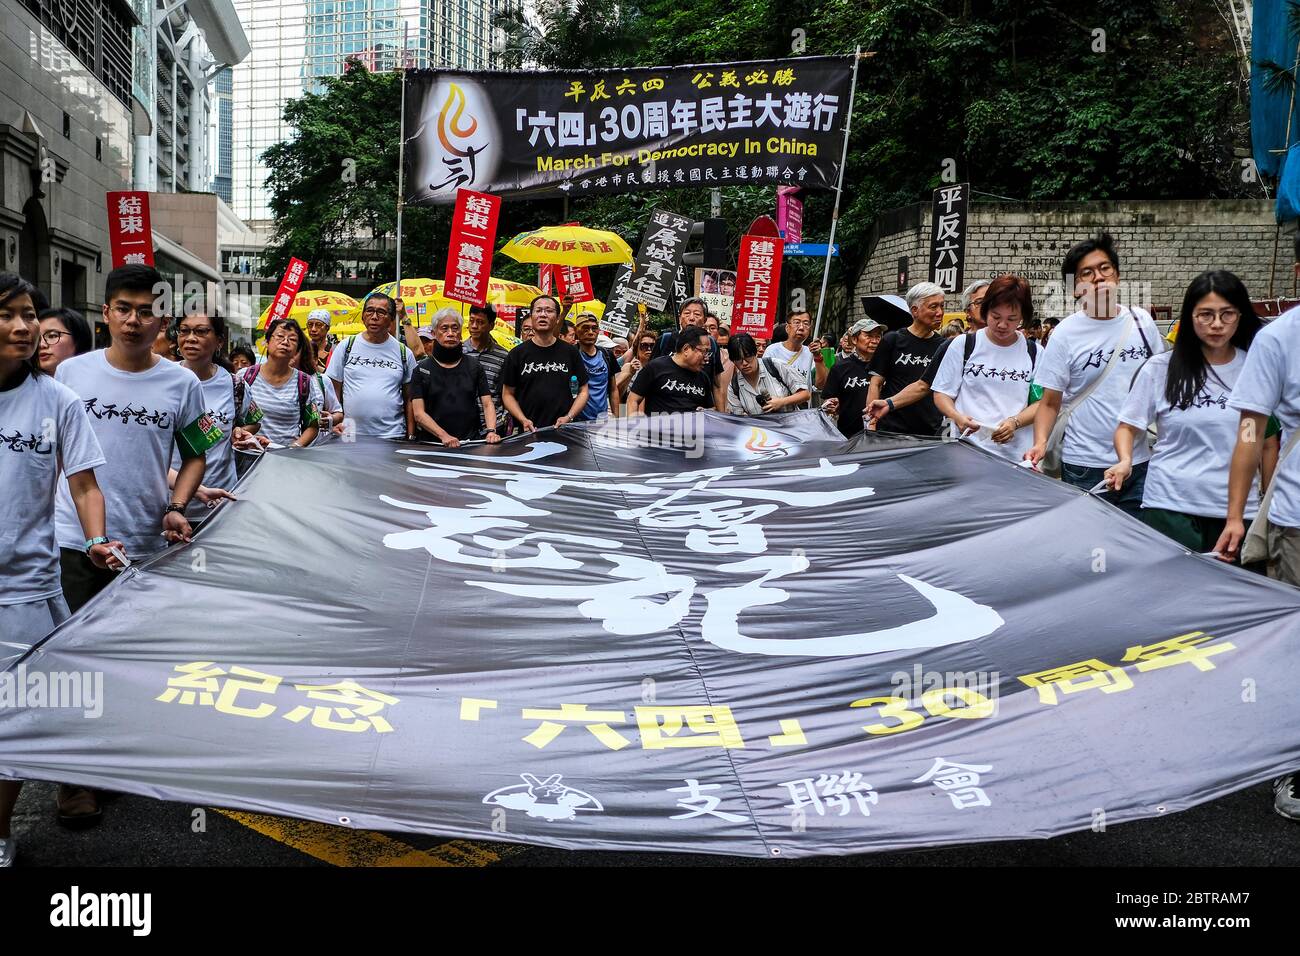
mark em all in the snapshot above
pixel 839 191
pixel 401 181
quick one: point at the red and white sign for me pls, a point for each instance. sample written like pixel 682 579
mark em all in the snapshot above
pixel 130 234
pixel 288 291
pixel 789 213
pixel 758 285
pixel 574 283
pixel 469 257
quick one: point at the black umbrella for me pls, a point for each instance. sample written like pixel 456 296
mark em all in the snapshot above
pixel 890 311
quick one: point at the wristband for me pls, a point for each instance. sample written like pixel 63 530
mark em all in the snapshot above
pixel 91 542
pixel 179 509
pixel 890 403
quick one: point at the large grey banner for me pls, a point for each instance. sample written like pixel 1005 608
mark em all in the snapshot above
pixel 761 641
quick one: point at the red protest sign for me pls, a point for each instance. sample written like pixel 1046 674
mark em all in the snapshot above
pixel 288 291
pixel 574 283
pixel 758 285
pixel 130 234
pixel 469 256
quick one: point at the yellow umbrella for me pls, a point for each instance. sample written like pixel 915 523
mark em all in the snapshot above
pixel 594 306
pixel 336 303
pixel 569 245
pixel 504 292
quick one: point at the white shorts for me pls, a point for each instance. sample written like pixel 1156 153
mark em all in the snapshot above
pixel 22 625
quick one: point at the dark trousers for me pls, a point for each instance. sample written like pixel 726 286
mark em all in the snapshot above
pixel 80 578
pixel 1128 500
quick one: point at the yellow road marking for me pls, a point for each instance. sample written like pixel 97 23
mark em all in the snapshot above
pixel 340 846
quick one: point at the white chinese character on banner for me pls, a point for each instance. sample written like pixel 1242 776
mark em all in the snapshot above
pixel 959 781
pixel 684 117
pixel 475 220
pixel 798 110
pixel 130 206
pixel 949 196
pixel 131 224
pixel 571 131
pixel 741 108
pixel 825 105
pixel 471 250
pixel 769 105
pixel 698 803
pixel 656 119
pixel 836 789
pixel 713 115
pixel 948 227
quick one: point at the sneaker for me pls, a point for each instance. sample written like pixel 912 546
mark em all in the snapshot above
pixel 8 850
pixel 78 806
pixel 1286 796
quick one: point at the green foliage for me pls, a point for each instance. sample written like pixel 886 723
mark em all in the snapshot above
pixel 1014 91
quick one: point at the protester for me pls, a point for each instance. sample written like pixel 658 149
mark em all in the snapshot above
pixel 953 329
pixel 1095 355
pixel 451 394
pixel 1185 393
pixel 692 314
pixel 619 346
pixel 711 325
pixel 64 333
pixel 1032 330
pixel 526 330
pixel 51 434
pixel 140 408
pixel 491 357
pixel 971 300
pixel 1049 326
pixel 637 360
pixel 198 339
pixel 242 358
pixel 794 354
pixel 372 374
pixel 982 383
pixel 544 380
pixel 568 333
pixel 723 338
pixel 676 383
pixel 902 359
pixel 1269 384
pixel 602 370
pixel 164 346
pixel 286 396
pixel 849 381
pixel 318 330
pixel 330 407
pixel 763 386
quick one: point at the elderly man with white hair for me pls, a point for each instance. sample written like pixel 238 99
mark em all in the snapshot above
pixel 971 300
pixel 902 358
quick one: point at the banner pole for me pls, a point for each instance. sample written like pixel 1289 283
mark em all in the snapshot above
pixel 839 191
pixel 401 170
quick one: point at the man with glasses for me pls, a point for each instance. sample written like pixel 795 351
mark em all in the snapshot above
pixel 140 407
pixel 692 314
pixel 1081 352
pixel 372 374
pixel 544 381
pixel 677 382
pixel 794 355
pixel 971 301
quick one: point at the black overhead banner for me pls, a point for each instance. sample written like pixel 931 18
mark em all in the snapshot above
pixel 948 236
pixel 581 132
pixel 733 636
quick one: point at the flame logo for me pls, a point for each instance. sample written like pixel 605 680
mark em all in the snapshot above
pixel 455 100
pixel 760 444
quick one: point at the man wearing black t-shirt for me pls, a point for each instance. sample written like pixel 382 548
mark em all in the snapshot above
pixel 451 389
pixel 903 357
pixel 849 380
pixel 693 313
pixel 677 382
pixel 539 377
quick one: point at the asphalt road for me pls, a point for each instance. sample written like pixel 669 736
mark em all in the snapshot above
pixel 1238 830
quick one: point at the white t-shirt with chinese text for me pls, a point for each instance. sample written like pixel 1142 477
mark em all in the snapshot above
pixel 281 414
pixel 1189 466
pixel 1269 384
pixel 373 381
pixel 42 423
pixel 1078 352
pixel 138 418
pixel 990 387
pixel 219 395
pixel 801 361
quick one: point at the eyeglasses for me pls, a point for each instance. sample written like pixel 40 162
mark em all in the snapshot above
pixel 124 311
pixel 197 333
pixel 1105 270
pixel 283 336
pixel 380 312
pixel 52 336
pixel 1206 316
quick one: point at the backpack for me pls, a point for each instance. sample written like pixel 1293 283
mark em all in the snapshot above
pixel 306 414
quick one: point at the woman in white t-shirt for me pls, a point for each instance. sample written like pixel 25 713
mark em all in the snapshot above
pixel 287 397
pixel 982 384
pixel 1186 394
pixel 43 431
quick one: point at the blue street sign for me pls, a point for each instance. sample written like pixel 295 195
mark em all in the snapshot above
pixel 810 249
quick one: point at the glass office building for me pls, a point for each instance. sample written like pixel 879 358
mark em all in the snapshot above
pixel 297 44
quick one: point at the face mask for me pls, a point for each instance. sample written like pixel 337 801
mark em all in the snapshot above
pixel 448 354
